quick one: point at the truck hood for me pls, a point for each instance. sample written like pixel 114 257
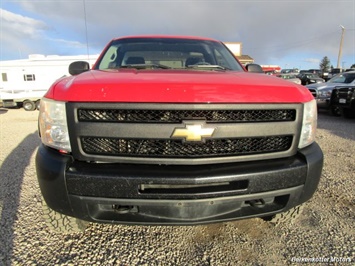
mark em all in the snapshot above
pixel 176 86
pixel 324 86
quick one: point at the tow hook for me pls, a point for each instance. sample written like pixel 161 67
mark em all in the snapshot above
pixel 123 209
pixel 258 203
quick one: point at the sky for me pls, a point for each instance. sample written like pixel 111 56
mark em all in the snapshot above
pixel 289 33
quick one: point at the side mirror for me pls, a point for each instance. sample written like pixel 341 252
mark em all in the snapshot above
pixel 78 67
pixel 254 68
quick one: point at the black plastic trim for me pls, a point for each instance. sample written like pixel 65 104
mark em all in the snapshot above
pixel 86 190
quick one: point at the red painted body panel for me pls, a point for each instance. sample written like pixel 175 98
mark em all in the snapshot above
pixel 176 86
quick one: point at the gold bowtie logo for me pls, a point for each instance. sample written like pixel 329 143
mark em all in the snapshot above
pixel 193 132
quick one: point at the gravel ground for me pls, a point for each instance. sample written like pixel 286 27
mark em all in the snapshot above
pixel 325 231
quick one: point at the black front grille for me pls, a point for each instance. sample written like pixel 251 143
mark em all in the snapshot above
pixel 342 96
pixel 176 116
pixel 168 148
pixel 345 92
pixel 142 132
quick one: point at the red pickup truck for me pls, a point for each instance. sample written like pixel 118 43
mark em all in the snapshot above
pixel 174 130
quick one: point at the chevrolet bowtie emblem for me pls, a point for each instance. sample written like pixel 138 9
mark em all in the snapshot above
pixel 193 131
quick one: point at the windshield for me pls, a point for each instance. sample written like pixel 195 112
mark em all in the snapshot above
pixel 312 76
pixel 343 78
pixel 287 76
pixel 167 53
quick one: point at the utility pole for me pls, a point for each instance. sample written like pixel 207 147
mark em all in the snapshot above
pixel 341 45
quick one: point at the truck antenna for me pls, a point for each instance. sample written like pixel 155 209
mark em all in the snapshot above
pixel 86 31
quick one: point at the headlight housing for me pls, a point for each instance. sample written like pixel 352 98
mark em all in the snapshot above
pixel 324 93
pixel 309 124
pixel 53 125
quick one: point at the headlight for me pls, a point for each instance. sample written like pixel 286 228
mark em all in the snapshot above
pixel 53 125
pixel 309 124
pixel 324 93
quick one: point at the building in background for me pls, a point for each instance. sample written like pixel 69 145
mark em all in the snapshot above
pixel 236 49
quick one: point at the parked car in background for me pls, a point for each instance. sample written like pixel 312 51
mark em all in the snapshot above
pixel 270 72
pixel 323 91
pixel 344 99
pixel 290 77
pixel 289 70
pixel 325 75
pixel 321 73
pixel 334 72
pixel 309 78
pixel 318 72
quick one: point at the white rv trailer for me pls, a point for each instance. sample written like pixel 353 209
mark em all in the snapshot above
pixel 23 82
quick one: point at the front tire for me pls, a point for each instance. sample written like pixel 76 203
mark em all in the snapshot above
pixel 288 217
pixel 61 223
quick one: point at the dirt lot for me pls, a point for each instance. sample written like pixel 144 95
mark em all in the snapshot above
pixel 324 233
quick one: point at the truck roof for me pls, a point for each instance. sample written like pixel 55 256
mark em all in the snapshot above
pixel 167 37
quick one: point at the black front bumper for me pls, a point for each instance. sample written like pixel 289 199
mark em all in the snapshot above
pixel 176 194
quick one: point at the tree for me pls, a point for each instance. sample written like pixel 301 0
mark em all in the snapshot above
pixel 324 64
pixel 352 66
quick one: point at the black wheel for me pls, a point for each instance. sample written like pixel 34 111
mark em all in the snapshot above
pixel 348 113
pixel 38 104
pixel 58 222
pixel 29 105
pixel 288 217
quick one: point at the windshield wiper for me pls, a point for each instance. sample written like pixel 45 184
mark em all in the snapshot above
pixel 145 66
pixel 206 66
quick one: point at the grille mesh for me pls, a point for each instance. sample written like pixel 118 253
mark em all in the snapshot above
pixel 178 149
pixel 176 116
pixel 345 92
